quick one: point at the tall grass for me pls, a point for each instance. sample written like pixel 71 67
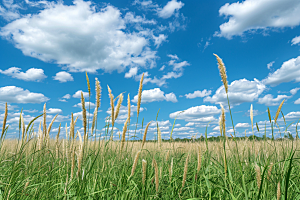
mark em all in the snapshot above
pixel 83 167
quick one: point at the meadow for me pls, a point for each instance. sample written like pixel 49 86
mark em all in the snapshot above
pixel 84 166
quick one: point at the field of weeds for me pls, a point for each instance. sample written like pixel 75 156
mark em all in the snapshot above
pixel 82 166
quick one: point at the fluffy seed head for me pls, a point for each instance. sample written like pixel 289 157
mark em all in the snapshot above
pixel 278 191
pixel 251 116
pixel 258 176
pixel 128 105
pixel 83 113
pixel 145 134
pixel 98 93
pixel 140 95
pixel 4 120
pixel 88 83
pixel 118 106
pixel 144 166
pixel 124 132
pixel 111 96
pixel 50 125
pixel 185 170
pixel 159 136
pixel 156 174
pixel 44 122
pixel 135 163
pixel 222 70
pixel 278 110
pixel 199 159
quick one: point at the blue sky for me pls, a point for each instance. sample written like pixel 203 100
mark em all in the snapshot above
pixel 46 47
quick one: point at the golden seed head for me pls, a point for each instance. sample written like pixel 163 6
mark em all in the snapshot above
pixel 140 95
pixel 135 162
pixel 118 106
pixel 124 133
pixel 144 166
pixel 156 174
pixel 185 170
pixel 222 70
pixel 199 159
pixel 223 119
pixel 83 113
pixel 111 96
pixel 98 93
pixel 278 111
pixel 159 137
pixel 278 191
pixel 88 83
pixel 50 125
pixel 251 115
pixel 128 104
pixel 258 176
pixel 145 134
pixel 4 120
pixel 44 123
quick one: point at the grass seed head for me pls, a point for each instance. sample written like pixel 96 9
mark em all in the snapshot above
pixel 140 95
pixel 98 93
pixel 145 134
pixel 222 70
pixel 4 120
pixel 144 166
pixel 118 106
pixel 278 111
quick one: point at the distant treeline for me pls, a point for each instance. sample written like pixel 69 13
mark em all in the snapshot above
pixel 220 138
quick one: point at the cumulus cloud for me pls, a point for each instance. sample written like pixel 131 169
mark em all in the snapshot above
pixel 53 110
pixel 63 99
pixel 13 94
pixel 296 40
pixel 294 91
pixel 169 9
pixel 86 104
pixel 242 125
pixel 201 113
pixel 78 94
pixel 268 99
pixel 31 74
pixel 101 43
pixel 155 95
pixel 239 91
pixel 289 71
pixel 251 15
pixel 159 39
pixel 63 77
pixel 132 72
pixel 10 10
pixel 269 65
pixel 198 93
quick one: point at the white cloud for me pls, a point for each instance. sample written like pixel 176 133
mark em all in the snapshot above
pixel 252 15
pixel 78 94
pixel 269 65
pixel 169 9
pixel 10 11
pixel 197 113
pixel 31 74
pixel 130 18
pixel 289 71
pixel 67 96
pixel 268 99
pixel 101 42
pixel 132 72
pixel 13 94
pixel 63 77
pixel 297 101
pixel 296 40
pixel 198 93
pixel 53 110
pixel 294 91
pixel 155 95
pixel 86 104
pixel 239 91
pixel 162 68
pixel 173 57
pixel 242 125
pixel 159 39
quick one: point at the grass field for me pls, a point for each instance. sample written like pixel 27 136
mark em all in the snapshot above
pixel 84 167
